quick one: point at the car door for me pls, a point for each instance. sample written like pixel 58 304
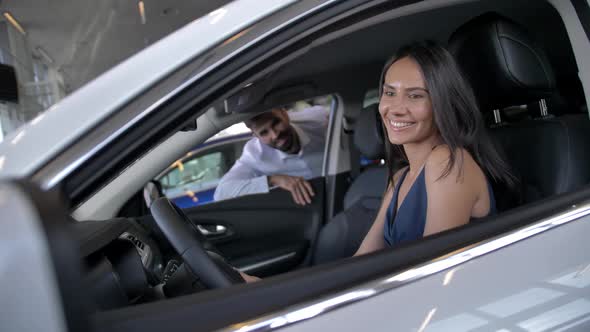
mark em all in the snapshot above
pixel 268 233
pixel 263 234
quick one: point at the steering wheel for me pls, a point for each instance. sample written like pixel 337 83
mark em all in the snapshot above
pixel 195 249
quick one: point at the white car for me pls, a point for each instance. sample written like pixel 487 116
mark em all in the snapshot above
pixel 80 251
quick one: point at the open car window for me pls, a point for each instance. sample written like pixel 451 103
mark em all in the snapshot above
pixel 193 179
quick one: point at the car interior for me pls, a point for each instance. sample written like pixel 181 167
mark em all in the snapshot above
pixel 517 56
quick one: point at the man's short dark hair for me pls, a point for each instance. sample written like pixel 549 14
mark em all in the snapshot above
pixel 260 117
pixel 256 118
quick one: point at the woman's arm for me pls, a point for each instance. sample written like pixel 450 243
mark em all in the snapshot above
pixel 450 199
pixel 248 278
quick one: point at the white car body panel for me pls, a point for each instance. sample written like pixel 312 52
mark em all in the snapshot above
pixel 29 295
pixel 547 286
pixel 63 123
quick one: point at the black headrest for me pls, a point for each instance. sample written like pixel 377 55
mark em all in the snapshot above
pixel 368 133
pixel 502 62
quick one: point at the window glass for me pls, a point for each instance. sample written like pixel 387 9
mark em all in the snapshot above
pixel 197 172
pixel 193 175
pixel 191 181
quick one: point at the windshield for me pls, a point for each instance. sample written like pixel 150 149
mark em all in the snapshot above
pixel 51 48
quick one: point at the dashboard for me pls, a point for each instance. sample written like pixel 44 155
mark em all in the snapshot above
pixel 127 263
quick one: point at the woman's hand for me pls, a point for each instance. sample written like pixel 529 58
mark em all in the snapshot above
pixel 248 277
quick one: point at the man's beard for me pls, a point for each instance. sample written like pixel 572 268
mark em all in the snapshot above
pixel 290 141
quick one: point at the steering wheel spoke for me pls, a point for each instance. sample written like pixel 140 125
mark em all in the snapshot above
pixel 201 256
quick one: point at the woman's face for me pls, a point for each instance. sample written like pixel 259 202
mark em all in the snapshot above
pixel 405 104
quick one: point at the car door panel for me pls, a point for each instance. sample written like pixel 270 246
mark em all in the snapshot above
pixel 263 233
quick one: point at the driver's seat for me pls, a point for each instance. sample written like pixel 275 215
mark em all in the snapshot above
pixel 342 236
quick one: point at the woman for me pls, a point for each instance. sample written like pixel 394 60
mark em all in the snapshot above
pixel 431 119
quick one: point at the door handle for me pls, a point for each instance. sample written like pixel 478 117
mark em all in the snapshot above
pixel 212 230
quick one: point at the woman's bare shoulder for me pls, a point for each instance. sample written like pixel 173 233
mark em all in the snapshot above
pixel 437 164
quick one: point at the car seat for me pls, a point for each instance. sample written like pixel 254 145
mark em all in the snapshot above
pixel 506 67
pixel 342 236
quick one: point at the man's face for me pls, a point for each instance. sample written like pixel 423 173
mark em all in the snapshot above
pixel 275 130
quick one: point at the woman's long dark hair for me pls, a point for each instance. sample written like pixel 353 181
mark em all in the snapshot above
pixel 456 114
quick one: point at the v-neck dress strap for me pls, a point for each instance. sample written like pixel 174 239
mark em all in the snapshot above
pixel 407 223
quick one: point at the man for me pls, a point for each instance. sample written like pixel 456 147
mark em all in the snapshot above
pixel 287 149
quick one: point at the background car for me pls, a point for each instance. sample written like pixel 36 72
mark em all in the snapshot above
pixel 191 181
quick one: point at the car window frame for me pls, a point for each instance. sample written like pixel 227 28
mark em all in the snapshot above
pixel 189 92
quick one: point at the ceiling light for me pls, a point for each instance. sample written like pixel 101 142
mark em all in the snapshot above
pixel 14 23
pixel 141 7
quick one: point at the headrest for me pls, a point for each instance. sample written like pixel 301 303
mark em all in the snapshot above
pixel 502 61
pixel 368 133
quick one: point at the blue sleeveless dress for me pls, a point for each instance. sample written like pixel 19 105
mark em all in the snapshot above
pixel 409 221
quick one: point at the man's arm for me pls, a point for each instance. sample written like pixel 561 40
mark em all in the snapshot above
pixel 241 179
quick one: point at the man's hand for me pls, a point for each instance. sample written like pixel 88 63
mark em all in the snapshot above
pixel 300 189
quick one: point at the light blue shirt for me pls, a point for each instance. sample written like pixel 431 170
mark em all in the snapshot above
pixel 249 175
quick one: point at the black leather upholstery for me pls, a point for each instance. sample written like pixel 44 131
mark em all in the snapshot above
pixel 548 154
pixel 506 67
pixel 342 236
pixel 368 136
pixel 502 61
pixel 368 139
pixel 369 184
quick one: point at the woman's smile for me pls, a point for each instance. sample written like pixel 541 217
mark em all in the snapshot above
pixel 400 125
